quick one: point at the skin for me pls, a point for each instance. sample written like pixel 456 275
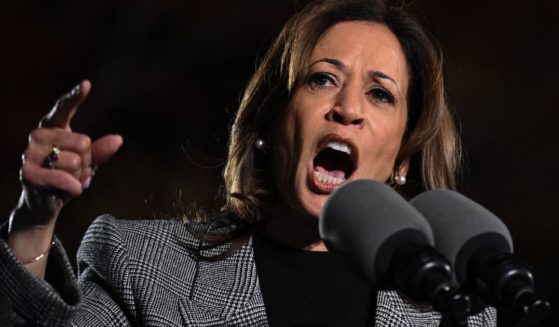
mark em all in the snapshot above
pixel 356 89
pixel 45 190
pixel 353 70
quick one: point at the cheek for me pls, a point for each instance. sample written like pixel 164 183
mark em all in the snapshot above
pixel 393 140
pixel 290 155
pixel 385 145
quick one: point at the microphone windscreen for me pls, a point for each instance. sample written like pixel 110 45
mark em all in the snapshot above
pixel 462 227
pixel 366 222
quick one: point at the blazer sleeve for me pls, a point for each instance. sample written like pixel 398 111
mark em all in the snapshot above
pixel 25 298
pixel 101 296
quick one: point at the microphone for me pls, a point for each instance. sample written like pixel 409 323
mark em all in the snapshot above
pixel 387 241
pixel 479 247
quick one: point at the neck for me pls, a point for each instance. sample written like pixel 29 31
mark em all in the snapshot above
pixel 293 228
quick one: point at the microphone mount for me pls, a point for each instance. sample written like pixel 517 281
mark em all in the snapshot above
pixel 425 276
pixel 503 281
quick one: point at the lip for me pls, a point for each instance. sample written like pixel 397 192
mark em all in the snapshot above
pixel 323 188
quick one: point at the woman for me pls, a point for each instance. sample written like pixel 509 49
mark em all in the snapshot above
pixel 349 90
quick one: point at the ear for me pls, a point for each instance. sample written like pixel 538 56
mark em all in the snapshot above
pixel 403 169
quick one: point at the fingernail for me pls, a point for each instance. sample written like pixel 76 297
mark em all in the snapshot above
pixel 75 91
pixel 86 183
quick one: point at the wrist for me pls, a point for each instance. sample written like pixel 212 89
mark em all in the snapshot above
pixel 41 257
pixel 23 218
pixel 31 247
pixel 30 243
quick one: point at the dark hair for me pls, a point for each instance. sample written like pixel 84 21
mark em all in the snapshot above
pixel 430 143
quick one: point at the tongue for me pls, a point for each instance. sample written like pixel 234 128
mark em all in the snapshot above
pixel 333 173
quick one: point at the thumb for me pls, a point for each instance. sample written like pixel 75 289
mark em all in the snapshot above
pixel 104 148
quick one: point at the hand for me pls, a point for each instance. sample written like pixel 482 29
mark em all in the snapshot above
pixel 46 189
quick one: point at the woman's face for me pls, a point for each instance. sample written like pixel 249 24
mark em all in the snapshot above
pixel 345 120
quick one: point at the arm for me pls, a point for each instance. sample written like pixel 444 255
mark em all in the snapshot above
pixel 57 167
pixel 102 296
pixel 26 298
pixel 49 180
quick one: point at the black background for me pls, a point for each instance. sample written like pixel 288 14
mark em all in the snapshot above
pixel 167 75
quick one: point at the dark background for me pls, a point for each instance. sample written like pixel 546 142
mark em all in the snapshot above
pixel 167 75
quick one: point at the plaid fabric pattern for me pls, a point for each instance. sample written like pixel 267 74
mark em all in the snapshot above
pixel 24 298
pixel 142 273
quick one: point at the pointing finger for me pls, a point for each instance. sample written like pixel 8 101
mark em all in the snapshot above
pixel 66 106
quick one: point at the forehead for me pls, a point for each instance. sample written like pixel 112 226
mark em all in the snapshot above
pixel 366 45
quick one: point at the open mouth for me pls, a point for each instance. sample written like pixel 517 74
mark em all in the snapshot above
pixel 334 163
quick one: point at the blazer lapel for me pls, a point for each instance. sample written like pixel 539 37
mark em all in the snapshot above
pixel 225 292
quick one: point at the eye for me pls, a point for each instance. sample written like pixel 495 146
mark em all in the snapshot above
pixel 382 95
pixel 321 80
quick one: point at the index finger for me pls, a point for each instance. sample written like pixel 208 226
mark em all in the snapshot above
pixel 66 106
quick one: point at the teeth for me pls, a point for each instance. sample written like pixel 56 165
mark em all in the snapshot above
pixel 339 146
pixel 323 178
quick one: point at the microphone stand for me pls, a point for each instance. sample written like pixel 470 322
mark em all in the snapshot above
pixel 425 276
pixel 503 281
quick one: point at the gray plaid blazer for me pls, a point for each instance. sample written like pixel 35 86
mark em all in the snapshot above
pixel 144 273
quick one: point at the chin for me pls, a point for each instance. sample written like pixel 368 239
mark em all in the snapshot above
pixel 311 203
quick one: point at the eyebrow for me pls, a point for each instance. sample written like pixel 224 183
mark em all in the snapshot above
pixel 341 66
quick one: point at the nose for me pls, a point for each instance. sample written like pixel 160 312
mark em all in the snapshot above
pixel 348 107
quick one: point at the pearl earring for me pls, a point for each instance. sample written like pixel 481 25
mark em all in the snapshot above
pixel 260 144
pixel 400 180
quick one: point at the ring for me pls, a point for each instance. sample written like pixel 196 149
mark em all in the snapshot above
pixel 52 157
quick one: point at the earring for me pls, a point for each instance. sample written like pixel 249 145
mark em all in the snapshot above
pixel 260 144
pixel 400 180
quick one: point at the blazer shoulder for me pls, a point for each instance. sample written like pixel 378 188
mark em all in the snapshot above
pixel 132 257
pixel 110 235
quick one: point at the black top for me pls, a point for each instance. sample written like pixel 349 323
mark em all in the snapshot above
pixel 304 288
